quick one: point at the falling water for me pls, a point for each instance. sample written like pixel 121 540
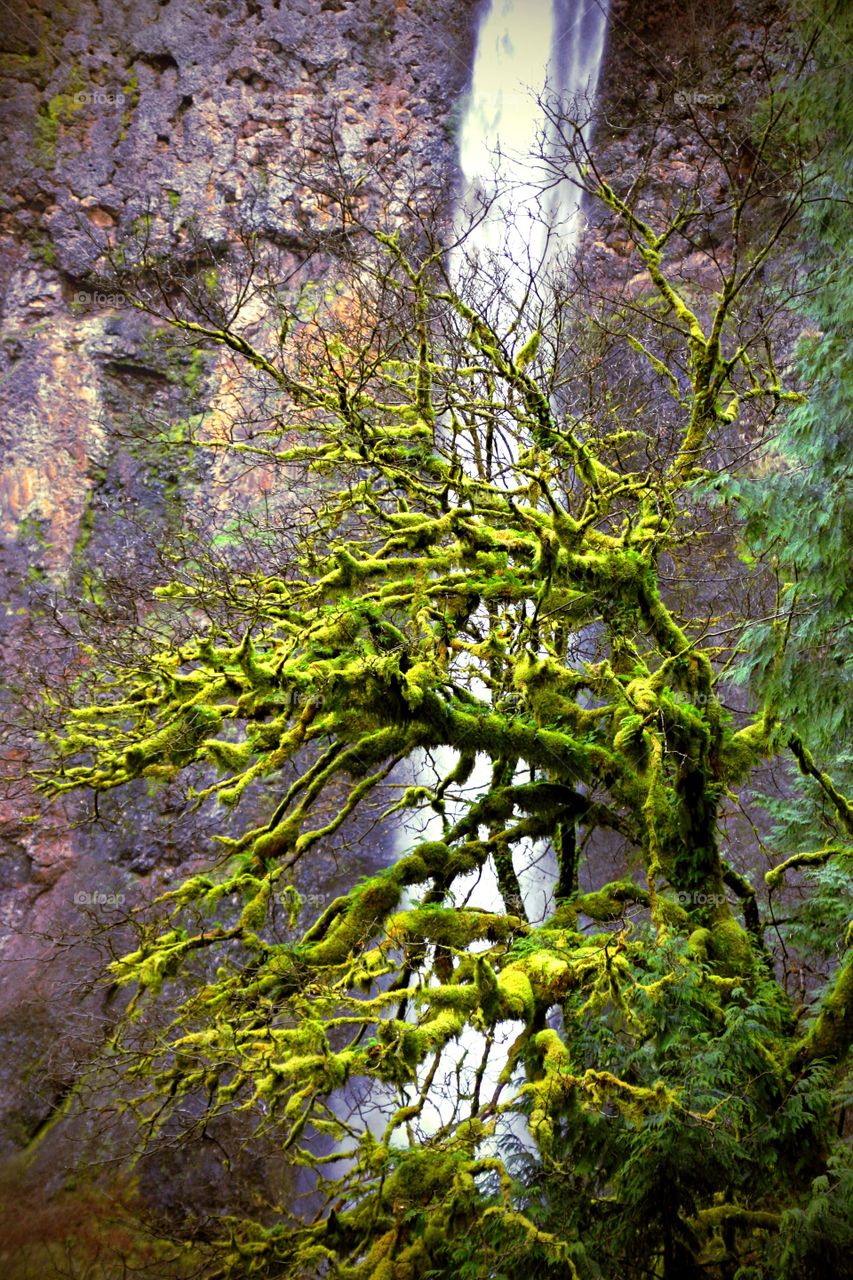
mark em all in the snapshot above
pixel 525 50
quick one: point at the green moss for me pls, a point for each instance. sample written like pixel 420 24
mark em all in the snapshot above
pixel 184 365
pixel 831 1033
pixel 673 914
pixel 87 574
pixel 551 691
pixel 131 102
pixel 366 911
pixel 32 67
pixel 552 1064
pixel 730 947
pixel 274 844
pixel 699 944
pixel 516 998
pixel 254 913
pixel 549 970
pixel 41 245
pixel 611 901
pixel 195 371
pixel 743 750
pixel 451 928
pixel 421 1176
pixel 228 755
pixel 177 742
pixel 565 917
pixel 416 1043
pixel 459 996
pixel 56 114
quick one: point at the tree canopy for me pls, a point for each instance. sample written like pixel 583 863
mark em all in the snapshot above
pixel 490 631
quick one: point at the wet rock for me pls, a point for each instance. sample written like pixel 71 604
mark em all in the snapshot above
pixel 198 110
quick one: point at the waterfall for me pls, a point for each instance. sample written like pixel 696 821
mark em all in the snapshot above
pixel 525 49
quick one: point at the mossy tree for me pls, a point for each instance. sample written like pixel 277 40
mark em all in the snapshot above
pixel 483 606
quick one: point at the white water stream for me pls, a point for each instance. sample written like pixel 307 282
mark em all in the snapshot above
pixel 525 49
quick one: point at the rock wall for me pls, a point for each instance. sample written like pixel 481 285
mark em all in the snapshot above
pixel 190 112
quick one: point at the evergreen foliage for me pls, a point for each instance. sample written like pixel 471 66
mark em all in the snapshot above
pixel 799 513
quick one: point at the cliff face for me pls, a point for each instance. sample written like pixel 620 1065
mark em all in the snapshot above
pixel 188 110
pixel 677 95
pixel 185 114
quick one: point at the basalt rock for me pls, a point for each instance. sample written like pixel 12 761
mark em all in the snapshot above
pixel 187 112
